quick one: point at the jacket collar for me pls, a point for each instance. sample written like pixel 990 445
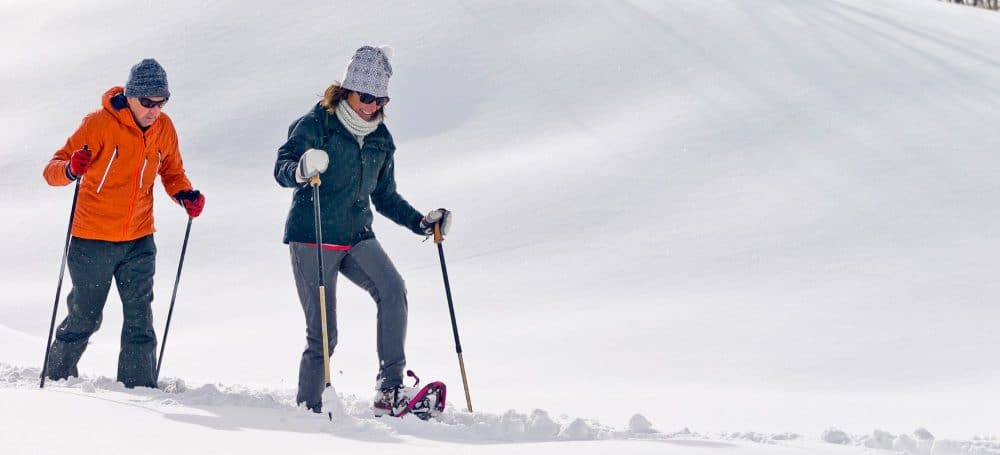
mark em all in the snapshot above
pixel 332 125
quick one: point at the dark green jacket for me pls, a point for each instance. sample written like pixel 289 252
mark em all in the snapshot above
pixel 355 176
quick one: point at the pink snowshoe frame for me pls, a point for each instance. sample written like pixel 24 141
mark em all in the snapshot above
pixel 434 388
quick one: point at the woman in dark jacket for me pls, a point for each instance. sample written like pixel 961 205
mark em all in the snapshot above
pixel 344 141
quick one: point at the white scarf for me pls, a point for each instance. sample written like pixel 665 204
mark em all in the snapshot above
pixel 358 126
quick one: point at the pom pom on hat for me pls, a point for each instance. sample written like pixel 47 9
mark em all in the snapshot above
pixel 387 50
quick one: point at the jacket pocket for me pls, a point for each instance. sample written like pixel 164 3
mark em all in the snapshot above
pixel 107 170
pixel 372 161
pixel 148 171
pixel 156 170
pixel 142 173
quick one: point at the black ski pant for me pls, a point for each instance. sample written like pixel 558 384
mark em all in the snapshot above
pixel 367 266
pixel 92 265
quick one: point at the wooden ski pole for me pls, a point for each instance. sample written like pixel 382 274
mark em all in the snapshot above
pixel 315 182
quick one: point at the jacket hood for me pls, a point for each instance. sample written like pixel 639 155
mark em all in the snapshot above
pixel 119 109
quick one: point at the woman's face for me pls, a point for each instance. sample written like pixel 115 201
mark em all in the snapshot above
pixel 367 111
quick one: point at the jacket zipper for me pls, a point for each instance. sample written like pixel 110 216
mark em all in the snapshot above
pixel 131 201
pixel 108 169
pixel 361 179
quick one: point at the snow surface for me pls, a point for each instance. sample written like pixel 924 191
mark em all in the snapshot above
pixel 681 227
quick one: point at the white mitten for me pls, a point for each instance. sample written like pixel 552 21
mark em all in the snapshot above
pixel 312 163
pixel 442 216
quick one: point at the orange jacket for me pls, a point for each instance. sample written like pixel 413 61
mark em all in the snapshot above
pixel 115 202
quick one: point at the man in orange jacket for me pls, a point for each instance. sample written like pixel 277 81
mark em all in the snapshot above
pixel 116 154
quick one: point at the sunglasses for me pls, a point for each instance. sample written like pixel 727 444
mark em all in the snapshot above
pixel 378 100
pixel 149 104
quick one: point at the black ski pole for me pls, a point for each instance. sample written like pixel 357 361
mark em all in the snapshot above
pixel 315 182
pixel 439 239
pixel 62 268
pixel 173 298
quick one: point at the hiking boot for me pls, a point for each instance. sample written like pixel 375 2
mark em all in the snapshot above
pixel 390 401
pixel 316 407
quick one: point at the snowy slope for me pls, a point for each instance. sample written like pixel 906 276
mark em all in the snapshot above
pixel 233 419
pixel 761 216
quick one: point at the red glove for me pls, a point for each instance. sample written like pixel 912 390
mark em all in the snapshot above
pixel 192 201
pixel 80 162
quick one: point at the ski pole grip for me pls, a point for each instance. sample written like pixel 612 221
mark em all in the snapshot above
pixel 438 238
pixel 314 181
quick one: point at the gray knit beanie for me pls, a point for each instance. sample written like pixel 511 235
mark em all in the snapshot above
pixel 147 79
pixel 369 71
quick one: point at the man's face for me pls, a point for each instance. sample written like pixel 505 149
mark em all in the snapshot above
pixel 145 116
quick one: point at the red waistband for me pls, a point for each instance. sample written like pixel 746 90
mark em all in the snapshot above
pixel 327 246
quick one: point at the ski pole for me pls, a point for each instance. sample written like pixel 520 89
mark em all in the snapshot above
pixel 315 182
pixel 439 239
pixel 173 298
pixel 62 268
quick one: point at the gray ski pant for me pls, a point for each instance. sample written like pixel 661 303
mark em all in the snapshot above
pixel 92 265
pixel 367 266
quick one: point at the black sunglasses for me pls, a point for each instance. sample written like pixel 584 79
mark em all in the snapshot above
pixel 149 104
pixel 378 100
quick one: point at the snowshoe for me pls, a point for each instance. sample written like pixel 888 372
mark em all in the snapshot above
pixel 424 402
